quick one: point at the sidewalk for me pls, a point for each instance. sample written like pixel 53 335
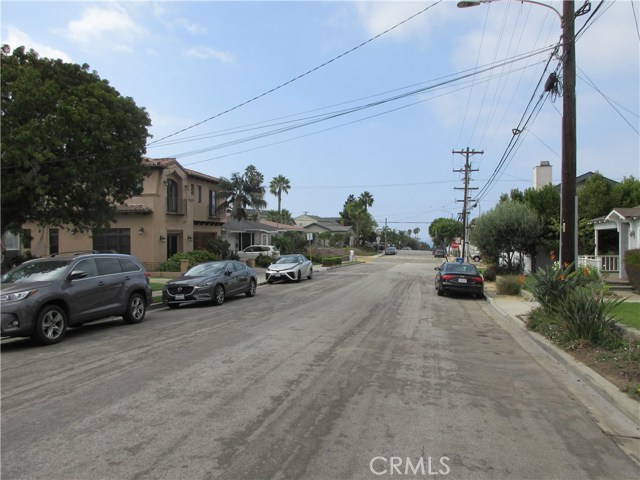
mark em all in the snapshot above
pixel 615 413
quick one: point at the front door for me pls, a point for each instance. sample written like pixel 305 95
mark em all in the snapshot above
pixel 172 244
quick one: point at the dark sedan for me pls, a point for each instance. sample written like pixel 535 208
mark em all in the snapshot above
pixel 210 282
pixel 459 277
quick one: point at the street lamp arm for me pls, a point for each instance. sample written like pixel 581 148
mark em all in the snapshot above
pixel 467 4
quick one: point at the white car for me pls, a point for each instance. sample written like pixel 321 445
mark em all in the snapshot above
pixel 255 250
pixel 290 267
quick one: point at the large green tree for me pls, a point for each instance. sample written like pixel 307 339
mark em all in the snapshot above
pixel 282 216
pixel 355 213
pixel 243 190
pixel 72 146
pixel 507 233
pixel 278 186
pixel 444 230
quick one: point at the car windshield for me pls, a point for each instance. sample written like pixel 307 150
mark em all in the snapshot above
pixel 43 271
pixel 206 270
pixel 288 259
pixel 462 268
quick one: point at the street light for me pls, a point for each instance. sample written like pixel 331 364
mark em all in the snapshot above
pixel 568 201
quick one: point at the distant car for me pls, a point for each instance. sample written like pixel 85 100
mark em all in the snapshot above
pixel 438 252
pixel 210 282
pixel 290 267
pixel 390 251
pixel 253 251
pixel 406 248
pixel 459 277
pixel 40 298
pixel 476 257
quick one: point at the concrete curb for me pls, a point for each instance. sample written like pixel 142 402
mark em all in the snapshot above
pixel 614 412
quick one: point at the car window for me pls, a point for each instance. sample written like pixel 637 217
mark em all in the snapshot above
pixel 89 266
pixel 239 266
pixel 129 265
pixel 287 259
pixel 205 269
pixel 108 266
pixel 40 271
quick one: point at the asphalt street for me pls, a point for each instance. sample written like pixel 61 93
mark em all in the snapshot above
pixel 362 372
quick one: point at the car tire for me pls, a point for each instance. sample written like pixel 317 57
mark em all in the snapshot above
pixel 136 309
pixel 252 289
pixel 51 325
pixel 476 258
pixel 299 277
pixel 310 276
pixel 218 295
pixel 440 291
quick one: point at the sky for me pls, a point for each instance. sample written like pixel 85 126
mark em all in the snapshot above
pixel 345 97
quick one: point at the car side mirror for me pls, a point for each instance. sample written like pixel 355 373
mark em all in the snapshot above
pixel 227 273
pixel 437 268
pixel 77 274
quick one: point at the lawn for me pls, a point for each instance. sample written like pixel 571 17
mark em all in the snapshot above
pixel 628 313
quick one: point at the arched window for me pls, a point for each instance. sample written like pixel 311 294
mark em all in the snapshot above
pixel 172 196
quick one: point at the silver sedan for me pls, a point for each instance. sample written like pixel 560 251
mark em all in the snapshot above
pixel 290 267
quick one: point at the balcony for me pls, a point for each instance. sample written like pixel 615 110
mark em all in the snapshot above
pixel 176 207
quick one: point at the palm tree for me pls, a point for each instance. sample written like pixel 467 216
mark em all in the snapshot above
pixel 279 185
pixel 416 231
pixel 367 200
pixel 242 191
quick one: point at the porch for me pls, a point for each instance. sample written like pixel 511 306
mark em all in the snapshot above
pixel 608 264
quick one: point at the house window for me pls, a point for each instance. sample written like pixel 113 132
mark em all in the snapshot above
pixel 265 239
pixel 212 203
pixel 172 196
pixel 113 239
pixel 54 241
pixel 192 189
pixel 199 194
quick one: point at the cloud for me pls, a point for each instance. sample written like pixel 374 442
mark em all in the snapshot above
pixel 377 17
pixel 17 38
pixel 111 27
pixel 204 53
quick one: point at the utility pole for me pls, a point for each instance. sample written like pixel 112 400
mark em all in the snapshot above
pixel 465 209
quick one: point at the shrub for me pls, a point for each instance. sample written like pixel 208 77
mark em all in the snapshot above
pixel 632 267
pixel 509 285
pixel 550 285
pixel 194 258
pixel 263 261
pixel 490 273
pixel 222 249
pixel 329 261
pixel 587 316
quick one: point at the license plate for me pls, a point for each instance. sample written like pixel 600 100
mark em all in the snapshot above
pixel 180 296
pixel 462 280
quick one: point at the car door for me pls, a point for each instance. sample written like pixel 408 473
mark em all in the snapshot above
pixel 85 295
pixel 113 281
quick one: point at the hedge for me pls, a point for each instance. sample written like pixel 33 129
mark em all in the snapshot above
pixel 329 261
pixel 632 267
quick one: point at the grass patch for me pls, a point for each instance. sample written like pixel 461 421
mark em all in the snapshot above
pixel 157 299
pixel 156 286
pixel 628 313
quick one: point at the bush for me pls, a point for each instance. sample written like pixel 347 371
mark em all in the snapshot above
pixel 222 249
pixel 552 284
pixel 509 284
pixel 490 273
pixel 632 267
pixel 263 261
pixel 586 316
pixel 329 261
pixel 194 258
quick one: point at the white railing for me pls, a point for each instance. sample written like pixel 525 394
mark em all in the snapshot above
pixel 602 263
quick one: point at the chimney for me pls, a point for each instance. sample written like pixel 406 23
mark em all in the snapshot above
pixel 542 175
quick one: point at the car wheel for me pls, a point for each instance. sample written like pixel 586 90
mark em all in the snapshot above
pixel 476 258
pixel 51 325
pixel 136 309
pixel 218 295
pixel 440 291
pixel 299 277
pixel 252 289
pixel 310 276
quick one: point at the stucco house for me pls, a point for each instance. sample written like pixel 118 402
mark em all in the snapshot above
pixel 623 226
pixel 179 210
pixel 315 225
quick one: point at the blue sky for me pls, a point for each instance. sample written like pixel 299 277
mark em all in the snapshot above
pixel 197 67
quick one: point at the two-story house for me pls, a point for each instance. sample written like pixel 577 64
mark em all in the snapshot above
pixel 179 210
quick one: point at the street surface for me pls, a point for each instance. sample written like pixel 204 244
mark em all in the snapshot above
pixel 362 372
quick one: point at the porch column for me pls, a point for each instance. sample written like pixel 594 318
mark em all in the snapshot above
pixel 623 246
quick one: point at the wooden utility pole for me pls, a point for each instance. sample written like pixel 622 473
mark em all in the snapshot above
pixel 465 209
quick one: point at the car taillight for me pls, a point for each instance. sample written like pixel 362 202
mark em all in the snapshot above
pixel 446 278
pixel 148 277
pixel 477 279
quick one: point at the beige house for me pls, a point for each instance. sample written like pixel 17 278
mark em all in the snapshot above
pixel 179 210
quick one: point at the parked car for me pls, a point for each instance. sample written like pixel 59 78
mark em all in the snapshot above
pixel 290 267
pixel 40 298
pixel 210 282
pixel 406 247
pixel 253 251
pixel 438 252
pixel 459 277
pixel 390 251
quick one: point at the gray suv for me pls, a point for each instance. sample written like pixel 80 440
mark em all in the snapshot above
pixel 41 298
